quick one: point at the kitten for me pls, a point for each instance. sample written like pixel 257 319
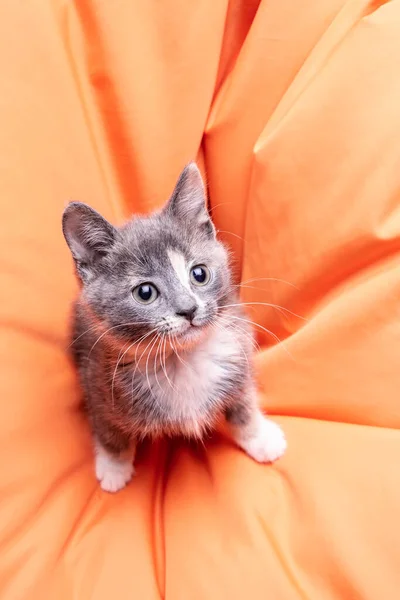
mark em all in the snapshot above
pixel 161 344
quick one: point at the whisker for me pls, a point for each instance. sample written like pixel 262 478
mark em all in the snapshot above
pixel 165 367
pixel 250 287
pixel 270 279
pixel 218 326
pixel 163 364
pixel 219 204
pixel 242 331
pixel 115 327
pixel 136 363
pixel 230 233
pixel 271 333
pixel 279 308
pixel 162 356
pixel 159 337
pixel 175 349
pixel 137 366
pixel 82 334
pixel 115 371
pixel 147 368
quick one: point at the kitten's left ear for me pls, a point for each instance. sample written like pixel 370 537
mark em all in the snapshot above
pixel 188 202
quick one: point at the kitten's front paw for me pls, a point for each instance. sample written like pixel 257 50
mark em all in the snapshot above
pixel 268 444
pixel 113 473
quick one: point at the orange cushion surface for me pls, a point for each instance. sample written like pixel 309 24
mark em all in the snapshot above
pixel 293 111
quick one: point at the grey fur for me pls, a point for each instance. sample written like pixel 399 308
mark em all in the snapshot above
pixel 122 390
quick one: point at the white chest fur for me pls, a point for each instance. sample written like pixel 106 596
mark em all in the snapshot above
pixel 185 386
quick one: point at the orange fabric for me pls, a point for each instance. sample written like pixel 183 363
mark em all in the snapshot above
pixel 293 109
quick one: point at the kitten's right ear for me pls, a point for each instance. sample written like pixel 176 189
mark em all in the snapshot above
pixel 88 235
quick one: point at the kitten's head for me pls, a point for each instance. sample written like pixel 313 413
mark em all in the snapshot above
pixel 165 273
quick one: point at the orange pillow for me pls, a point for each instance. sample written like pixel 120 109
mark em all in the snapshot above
pixel 293 111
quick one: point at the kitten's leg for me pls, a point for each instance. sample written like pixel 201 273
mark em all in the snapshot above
pixel 258 436
pixel 114 455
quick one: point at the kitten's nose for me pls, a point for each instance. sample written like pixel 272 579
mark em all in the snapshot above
pixel 188 313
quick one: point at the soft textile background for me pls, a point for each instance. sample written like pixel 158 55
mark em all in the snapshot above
pixel 293 111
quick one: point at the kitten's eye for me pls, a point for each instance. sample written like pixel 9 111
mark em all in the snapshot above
pixel 145 293
pixel 200 275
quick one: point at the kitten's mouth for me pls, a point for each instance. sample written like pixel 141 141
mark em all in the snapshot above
pixel 192 331
pixel 188 332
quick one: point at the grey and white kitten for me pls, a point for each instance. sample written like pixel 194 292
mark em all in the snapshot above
pixel 160 341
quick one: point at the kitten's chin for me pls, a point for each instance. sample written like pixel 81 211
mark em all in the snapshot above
pixel 191 336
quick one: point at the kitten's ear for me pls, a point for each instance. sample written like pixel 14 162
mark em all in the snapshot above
pixel 188 200
pixel 88 235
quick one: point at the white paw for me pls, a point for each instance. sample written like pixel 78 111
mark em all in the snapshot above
pixel 113 473
pixel 268 444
